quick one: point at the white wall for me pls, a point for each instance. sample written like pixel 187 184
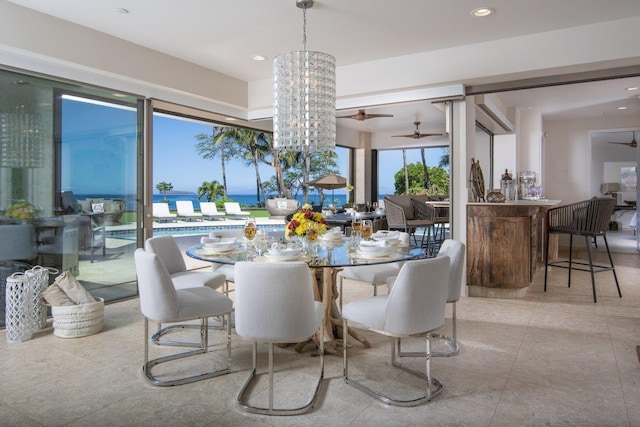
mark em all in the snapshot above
pixel 38 42
pixel 567 155
pixel 529 137
pixel 504 156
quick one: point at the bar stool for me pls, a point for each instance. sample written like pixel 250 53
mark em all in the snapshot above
pixel 589 218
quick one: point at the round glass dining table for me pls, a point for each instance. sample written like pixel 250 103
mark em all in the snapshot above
pixel 326 258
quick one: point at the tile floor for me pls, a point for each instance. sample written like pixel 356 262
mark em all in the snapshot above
pixel 552 358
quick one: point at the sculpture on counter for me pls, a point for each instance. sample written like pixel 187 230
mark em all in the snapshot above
pixel 477 181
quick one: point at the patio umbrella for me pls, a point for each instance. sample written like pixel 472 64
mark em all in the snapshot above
pixel 329 182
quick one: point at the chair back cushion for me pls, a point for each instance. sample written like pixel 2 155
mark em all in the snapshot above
pixel 208 208
pixel 158 299
pixel 417 300
pixel 455 250
pixel 168 251
pixel 232 207
pixel 161 209
pixel 184 207
pixel 274 302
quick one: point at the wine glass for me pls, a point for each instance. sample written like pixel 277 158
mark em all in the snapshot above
pixel 250 229
pixel 356 224
pixel 366 229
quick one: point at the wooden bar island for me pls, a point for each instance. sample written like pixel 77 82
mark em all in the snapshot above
pixel 505 241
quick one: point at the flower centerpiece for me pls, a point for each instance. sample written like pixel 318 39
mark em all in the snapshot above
pixel 22 210
pixel 302 219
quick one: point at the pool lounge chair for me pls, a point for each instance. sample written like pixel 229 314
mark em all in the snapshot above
pixel 161 213
pixel 232 210
pixel 186 212
pixel 210 211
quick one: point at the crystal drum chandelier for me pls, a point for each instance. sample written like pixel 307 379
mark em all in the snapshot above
pixel 20 143
pixel 304 97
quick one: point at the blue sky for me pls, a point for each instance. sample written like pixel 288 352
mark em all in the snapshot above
pixel 100 143
pixel 175 161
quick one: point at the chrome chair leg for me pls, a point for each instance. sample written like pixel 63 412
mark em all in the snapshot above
pixel 450 341
pixel 433 387
pixel 270 410
pixel 203 347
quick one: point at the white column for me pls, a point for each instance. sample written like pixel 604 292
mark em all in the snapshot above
pixel 362 168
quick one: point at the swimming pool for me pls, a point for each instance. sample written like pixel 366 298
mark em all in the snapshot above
pixel 187 231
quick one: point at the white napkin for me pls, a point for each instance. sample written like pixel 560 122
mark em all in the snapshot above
pixel 380 243
pixel 333 234
pixel 380 235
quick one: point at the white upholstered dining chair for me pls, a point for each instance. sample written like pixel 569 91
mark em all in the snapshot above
pixel 161 302
pixel 415 307
pixel 374 275
pixel 274 304
pixel 169 252
pixel 166 248
pixel 227 269
pixel 455 250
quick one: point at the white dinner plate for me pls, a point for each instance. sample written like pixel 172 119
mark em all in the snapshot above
pixel 218 250
pixel 373 255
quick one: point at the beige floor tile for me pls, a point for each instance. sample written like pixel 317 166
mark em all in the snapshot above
pixel 552 358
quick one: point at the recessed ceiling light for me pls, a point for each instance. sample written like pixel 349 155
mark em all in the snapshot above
pixel 119 95
pixel 632 88
pixel 122 10
pixel 258 57
pixel 483 11
pixel 622 108
pixel 230 119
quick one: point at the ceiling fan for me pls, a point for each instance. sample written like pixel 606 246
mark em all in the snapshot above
pixel 632 144
pixel 362 116
pixel 416 133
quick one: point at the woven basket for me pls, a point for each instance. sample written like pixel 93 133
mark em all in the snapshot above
pixel 73 321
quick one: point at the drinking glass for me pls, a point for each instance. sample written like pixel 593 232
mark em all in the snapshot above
pixel 356 224
pixel 250 229
pixel 261 242
pixel 366 229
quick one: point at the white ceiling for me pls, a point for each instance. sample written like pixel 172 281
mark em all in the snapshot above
pixel 223 34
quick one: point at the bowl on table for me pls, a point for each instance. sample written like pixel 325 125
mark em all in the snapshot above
pixel 332 234
pixel 283 254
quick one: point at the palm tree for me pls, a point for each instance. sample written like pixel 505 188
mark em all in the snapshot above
pixel 444 159
pixel 164 188
pixel 210 190
pixel 406 171
pixel 219 144
pixel 425 170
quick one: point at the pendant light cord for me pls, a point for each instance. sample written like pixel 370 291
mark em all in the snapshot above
pixel 304 29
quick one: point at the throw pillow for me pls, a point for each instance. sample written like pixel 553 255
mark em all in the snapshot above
pixel 97 207
pixel 53 295
pixel 73 288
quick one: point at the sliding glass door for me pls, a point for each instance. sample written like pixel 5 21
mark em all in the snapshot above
pixel 96 155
